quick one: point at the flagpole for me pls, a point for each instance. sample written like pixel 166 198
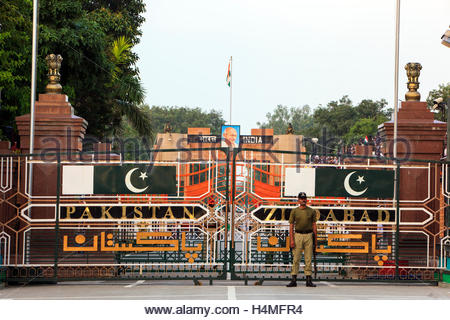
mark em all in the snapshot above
pixel 397 40
pixel 231 84
pixel 33 88
pixel 396 197
pixel 396 71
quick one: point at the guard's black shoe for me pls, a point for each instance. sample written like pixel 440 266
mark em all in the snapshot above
pixel 292 284
pixel 309 282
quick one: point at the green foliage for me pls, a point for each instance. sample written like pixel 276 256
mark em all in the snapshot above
pixel 120 55
pixel 442 92
pixel 180 118
pixel 128 90
pixel 101 88
pixel 299 117
pixel 364 127
pixel 15 59
pixel 372 109
pixel 341 119
pixel 337 117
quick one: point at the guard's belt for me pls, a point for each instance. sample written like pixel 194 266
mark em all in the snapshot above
pixel 304 232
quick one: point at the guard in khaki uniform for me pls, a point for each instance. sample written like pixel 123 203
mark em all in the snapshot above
pixel 302 229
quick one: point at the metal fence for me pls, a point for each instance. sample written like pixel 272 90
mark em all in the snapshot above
pixel 227 219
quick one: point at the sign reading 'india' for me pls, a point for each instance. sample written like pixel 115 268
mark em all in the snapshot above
pixel 244 139
pixel 119 212
pixel 256 139
pixel 272 214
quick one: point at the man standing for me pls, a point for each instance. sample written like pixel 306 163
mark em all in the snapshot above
pixel 302 229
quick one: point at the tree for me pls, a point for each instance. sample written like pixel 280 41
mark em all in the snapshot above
pixel 299 117
pixel 83 32
pixel 129 93
pixel 15 61
pixel 442 92
pixel 364 127
pixel 337 117
pixel 333 124
pixel 182 118
pixel 368 109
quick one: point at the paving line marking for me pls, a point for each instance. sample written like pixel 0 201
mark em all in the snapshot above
pixel 335 296
pixel 135 284
pixel 221 296
pixel 329 284
pixel 123 297
pixel 231 293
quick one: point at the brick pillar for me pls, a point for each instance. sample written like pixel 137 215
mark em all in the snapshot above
pixel 56 129
pixel 55 126
pixel 419 135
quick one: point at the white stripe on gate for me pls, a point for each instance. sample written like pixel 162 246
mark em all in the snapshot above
pixel 78 179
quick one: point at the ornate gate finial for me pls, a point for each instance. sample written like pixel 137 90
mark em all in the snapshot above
pixel 413 73
pixel 53 64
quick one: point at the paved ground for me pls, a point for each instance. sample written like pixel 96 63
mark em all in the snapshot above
pixel 221 290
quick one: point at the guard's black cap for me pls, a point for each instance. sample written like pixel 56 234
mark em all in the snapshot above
pixel 302 195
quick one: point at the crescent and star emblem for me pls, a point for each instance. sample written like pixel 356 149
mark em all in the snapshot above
pixel 130 186
pixel 349 189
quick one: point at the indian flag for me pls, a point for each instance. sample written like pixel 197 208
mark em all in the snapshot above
pixel 229 74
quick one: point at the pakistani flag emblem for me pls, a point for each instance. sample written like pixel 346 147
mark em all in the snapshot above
pixel 116 179
pixel 334 182
pixel 138 179
pixel 349 189
pixel 354 183
pixel 130 185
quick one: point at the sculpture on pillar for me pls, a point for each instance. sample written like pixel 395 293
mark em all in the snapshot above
pixel 413 73
pixel 53 64
pixel 290 129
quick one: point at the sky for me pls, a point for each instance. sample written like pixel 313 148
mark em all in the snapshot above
pixel 288 52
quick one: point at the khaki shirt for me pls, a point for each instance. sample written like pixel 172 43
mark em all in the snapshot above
pixel 303 219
